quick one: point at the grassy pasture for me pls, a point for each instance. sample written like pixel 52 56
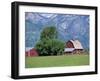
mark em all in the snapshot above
pixel 55 61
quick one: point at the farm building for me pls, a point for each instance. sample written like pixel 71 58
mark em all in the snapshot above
pixel 31 52
pixel 73 46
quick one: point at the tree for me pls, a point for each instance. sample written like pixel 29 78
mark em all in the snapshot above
pixel 48 43
pixel 49 33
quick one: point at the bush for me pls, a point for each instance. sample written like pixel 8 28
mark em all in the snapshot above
pixel 50 47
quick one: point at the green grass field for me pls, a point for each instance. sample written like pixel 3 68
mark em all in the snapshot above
pixel 55 61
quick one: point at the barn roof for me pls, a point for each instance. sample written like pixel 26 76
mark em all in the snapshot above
pixel 77 44
pixel 69 49
pixel 28 48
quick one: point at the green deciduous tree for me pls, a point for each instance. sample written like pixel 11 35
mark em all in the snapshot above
pixel 48 43
pixel 49 33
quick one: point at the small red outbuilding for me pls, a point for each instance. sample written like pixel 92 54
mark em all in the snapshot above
pixel 31 52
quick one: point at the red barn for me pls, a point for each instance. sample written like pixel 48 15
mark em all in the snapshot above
pixel 73 46
pixel 31 52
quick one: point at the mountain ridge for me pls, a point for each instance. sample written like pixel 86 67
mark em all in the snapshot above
pixel 69 26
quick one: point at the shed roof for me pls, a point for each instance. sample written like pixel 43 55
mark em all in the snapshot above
pixel 77 44
pixel 69 49
pixel 28 48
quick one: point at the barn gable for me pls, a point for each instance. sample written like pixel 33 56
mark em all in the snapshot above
pixel 77 44
pixel 73 46
pixel 69 44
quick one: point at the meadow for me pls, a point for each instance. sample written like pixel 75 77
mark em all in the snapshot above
pixel 57 61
